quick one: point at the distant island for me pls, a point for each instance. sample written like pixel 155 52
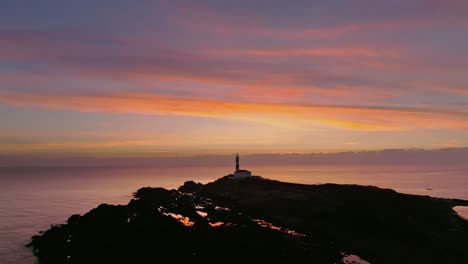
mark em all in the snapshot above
pixel 410 157
pixel 253 219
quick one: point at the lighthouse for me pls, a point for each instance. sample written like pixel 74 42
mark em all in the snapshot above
pixel 238 173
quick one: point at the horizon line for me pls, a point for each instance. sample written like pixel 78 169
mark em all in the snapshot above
pixel 194 154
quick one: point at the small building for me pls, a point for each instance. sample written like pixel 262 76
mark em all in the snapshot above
pixel 241 173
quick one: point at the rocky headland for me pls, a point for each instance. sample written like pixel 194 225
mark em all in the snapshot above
pixel 260 220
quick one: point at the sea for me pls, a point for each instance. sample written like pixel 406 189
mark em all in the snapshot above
pixel 32 199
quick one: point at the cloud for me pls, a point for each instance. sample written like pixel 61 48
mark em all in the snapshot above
pixel 326 51
pixel 54 56
pixel 283 87
pixel 326 70
pixel 299 116
pixel 304 69
pixel 318 19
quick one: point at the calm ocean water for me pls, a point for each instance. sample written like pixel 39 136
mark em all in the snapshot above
pixel 32 199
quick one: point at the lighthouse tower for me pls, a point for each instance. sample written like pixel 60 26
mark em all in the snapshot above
pixel 238 173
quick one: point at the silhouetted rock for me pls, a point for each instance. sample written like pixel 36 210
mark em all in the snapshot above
pixel 259 220
pixel 190 187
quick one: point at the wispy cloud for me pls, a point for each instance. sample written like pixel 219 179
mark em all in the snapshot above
pixel 325 51
pixel 396 66
pixel 312 20
pixel 349 117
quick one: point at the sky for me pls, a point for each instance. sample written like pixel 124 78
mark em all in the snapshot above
pixel 155 78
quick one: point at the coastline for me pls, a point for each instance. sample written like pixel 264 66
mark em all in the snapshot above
pixel 335 214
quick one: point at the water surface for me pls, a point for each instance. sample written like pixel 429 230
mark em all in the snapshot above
pixel 32 199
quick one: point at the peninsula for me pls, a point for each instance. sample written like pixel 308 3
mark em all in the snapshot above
pixel 253 219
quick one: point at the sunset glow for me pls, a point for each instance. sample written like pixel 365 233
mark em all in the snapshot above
pixel 176 77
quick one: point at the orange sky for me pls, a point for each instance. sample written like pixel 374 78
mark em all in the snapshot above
pixel 167 78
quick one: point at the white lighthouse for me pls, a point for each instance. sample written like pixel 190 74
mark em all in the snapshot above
pixel 240 173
